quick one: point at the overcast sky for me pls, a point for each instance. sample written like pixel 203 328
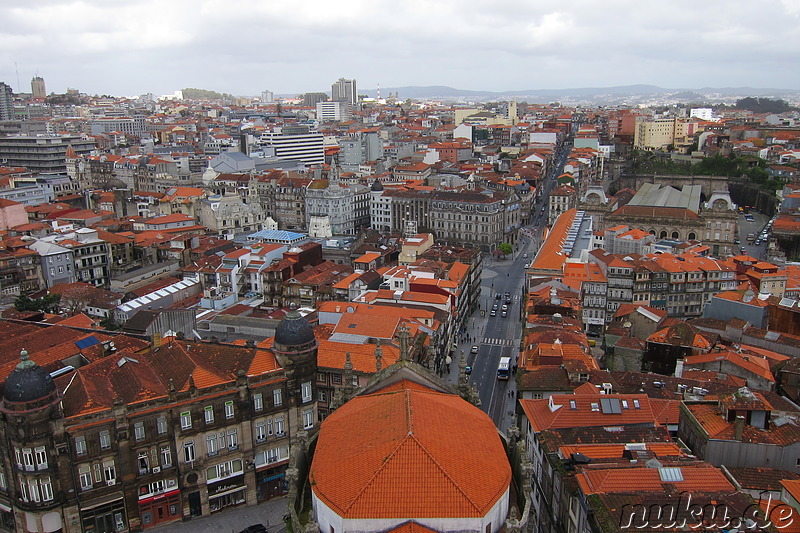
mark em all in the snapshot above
pixel 245 46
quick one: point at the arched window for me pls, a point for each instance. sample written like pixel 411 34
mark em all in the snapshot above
pixel 663 234
pixel 691 236
pixel 675 235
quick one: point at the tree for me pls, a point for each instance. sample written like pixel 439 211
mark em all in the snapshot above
pixel 506 248
pixel 46 304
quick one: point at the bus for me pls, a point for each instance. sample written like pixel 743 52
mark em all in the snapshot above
pixel 504 368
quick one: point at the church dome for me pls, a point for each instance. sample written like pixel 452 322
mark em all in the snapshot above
pixel 377 186
pixel 28 382
pixel 294 330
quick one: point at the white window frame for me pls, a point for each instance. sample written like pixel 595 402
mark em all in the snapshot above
pixel 258 401
pixel 280 430
pixel 208 414
pixel 305 390
pixel 161 425
pixel 189 455
pixel 261 431
pixel 138 431
pixel 85 477
pixel 165 456
pixel 186 420
pixel 308 419
pixel 105 439
pixel 109 472
pixel 277 397
pixel 229 412
pixel 232 438
pixel 211 445
pixel 47 489
pixel 41 457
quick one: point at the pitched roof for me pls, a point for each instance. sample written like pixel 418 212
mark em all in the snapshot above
pixel 408 451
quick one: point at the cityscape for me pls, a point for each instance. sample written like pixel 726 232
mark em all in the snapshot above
pixel 400 309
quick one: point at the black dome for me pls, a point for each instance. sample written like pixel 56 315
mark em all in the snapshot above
pixel 28 382
pixel 294 330
pixel 377 186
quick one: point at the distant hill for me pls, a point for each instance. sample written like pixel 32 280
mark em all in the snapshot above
pixel 595 95
pixel 203 94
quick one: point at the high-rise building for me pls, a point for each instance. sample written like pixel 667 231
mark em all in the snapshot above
pixel 38 88
pixel 267 97
pixel 312 99
pixel 295 144
pixel 344 91
pixel 333 111
pixel 6 102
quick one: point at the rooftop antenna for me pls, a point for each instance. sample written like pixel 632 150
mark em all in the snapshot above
pixel 379 91
pixel 17 70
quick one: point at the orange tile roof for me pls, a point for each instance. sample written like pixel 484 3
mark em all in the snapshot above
pixel 362 356
pixel 407 451
pixel 610 451
pixel 703 478
pixel 558 412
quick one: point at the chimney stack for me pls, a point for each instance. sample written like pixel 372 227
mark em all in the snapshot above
pixel 738 428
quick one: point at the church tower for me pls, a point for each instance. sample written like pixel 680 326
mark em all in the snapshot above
pixel 295 347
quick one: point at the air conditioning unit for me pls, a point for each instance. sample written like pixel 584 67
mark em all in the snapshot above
pixel 156 469
pixel 280 434
pixel 110 482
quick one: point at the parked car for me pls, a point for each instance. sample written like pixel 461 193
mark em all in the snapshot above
pixel 255 528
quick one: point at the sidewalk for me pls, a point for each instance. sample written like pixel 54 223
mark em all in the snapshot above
pixel 234 520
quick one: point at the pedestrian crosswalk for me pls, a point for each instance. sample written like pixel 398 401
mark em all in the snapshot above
pixel 498 342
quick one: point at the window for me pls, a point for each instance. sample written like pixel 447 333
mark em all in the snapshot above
pixel 229 409
pixel 186 420
pixel 105 440
pixel 138 430
pixel 223 470
pixel 269 427
pixel 144 463
pixel 34 489
pixel 233 439
pixel 277 397
pixel 188 451
pixel 161 425
pixel 337 378
pixel 27 458
pixel 321 397
pixel 85 477
pixel 166 456
pixel 41 457
pixel 23 489
pixel 258 402
pixel 261 431
pixel 18 454
pixel 354 381
pixel 308 418
pixel 279 431
pixel 109 472
pixel 211 444
pixel 209 414
pixel 3 483
pixel 47 489
pixel 305 389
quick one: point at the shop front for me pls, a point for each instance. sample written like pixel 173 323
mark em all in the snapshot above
pixel 105 517
pixel 159 503
pixel 227 493
pixel 271 483
pixel 6 516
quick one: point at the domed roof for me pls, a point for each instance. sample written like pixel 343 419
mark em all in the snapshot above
pixel 371 449
pixel 28 382
pixel 294 330
pixel 377 186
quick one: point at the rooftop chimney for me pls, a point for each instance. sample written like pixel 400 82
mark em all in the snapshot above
pixel 738 428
